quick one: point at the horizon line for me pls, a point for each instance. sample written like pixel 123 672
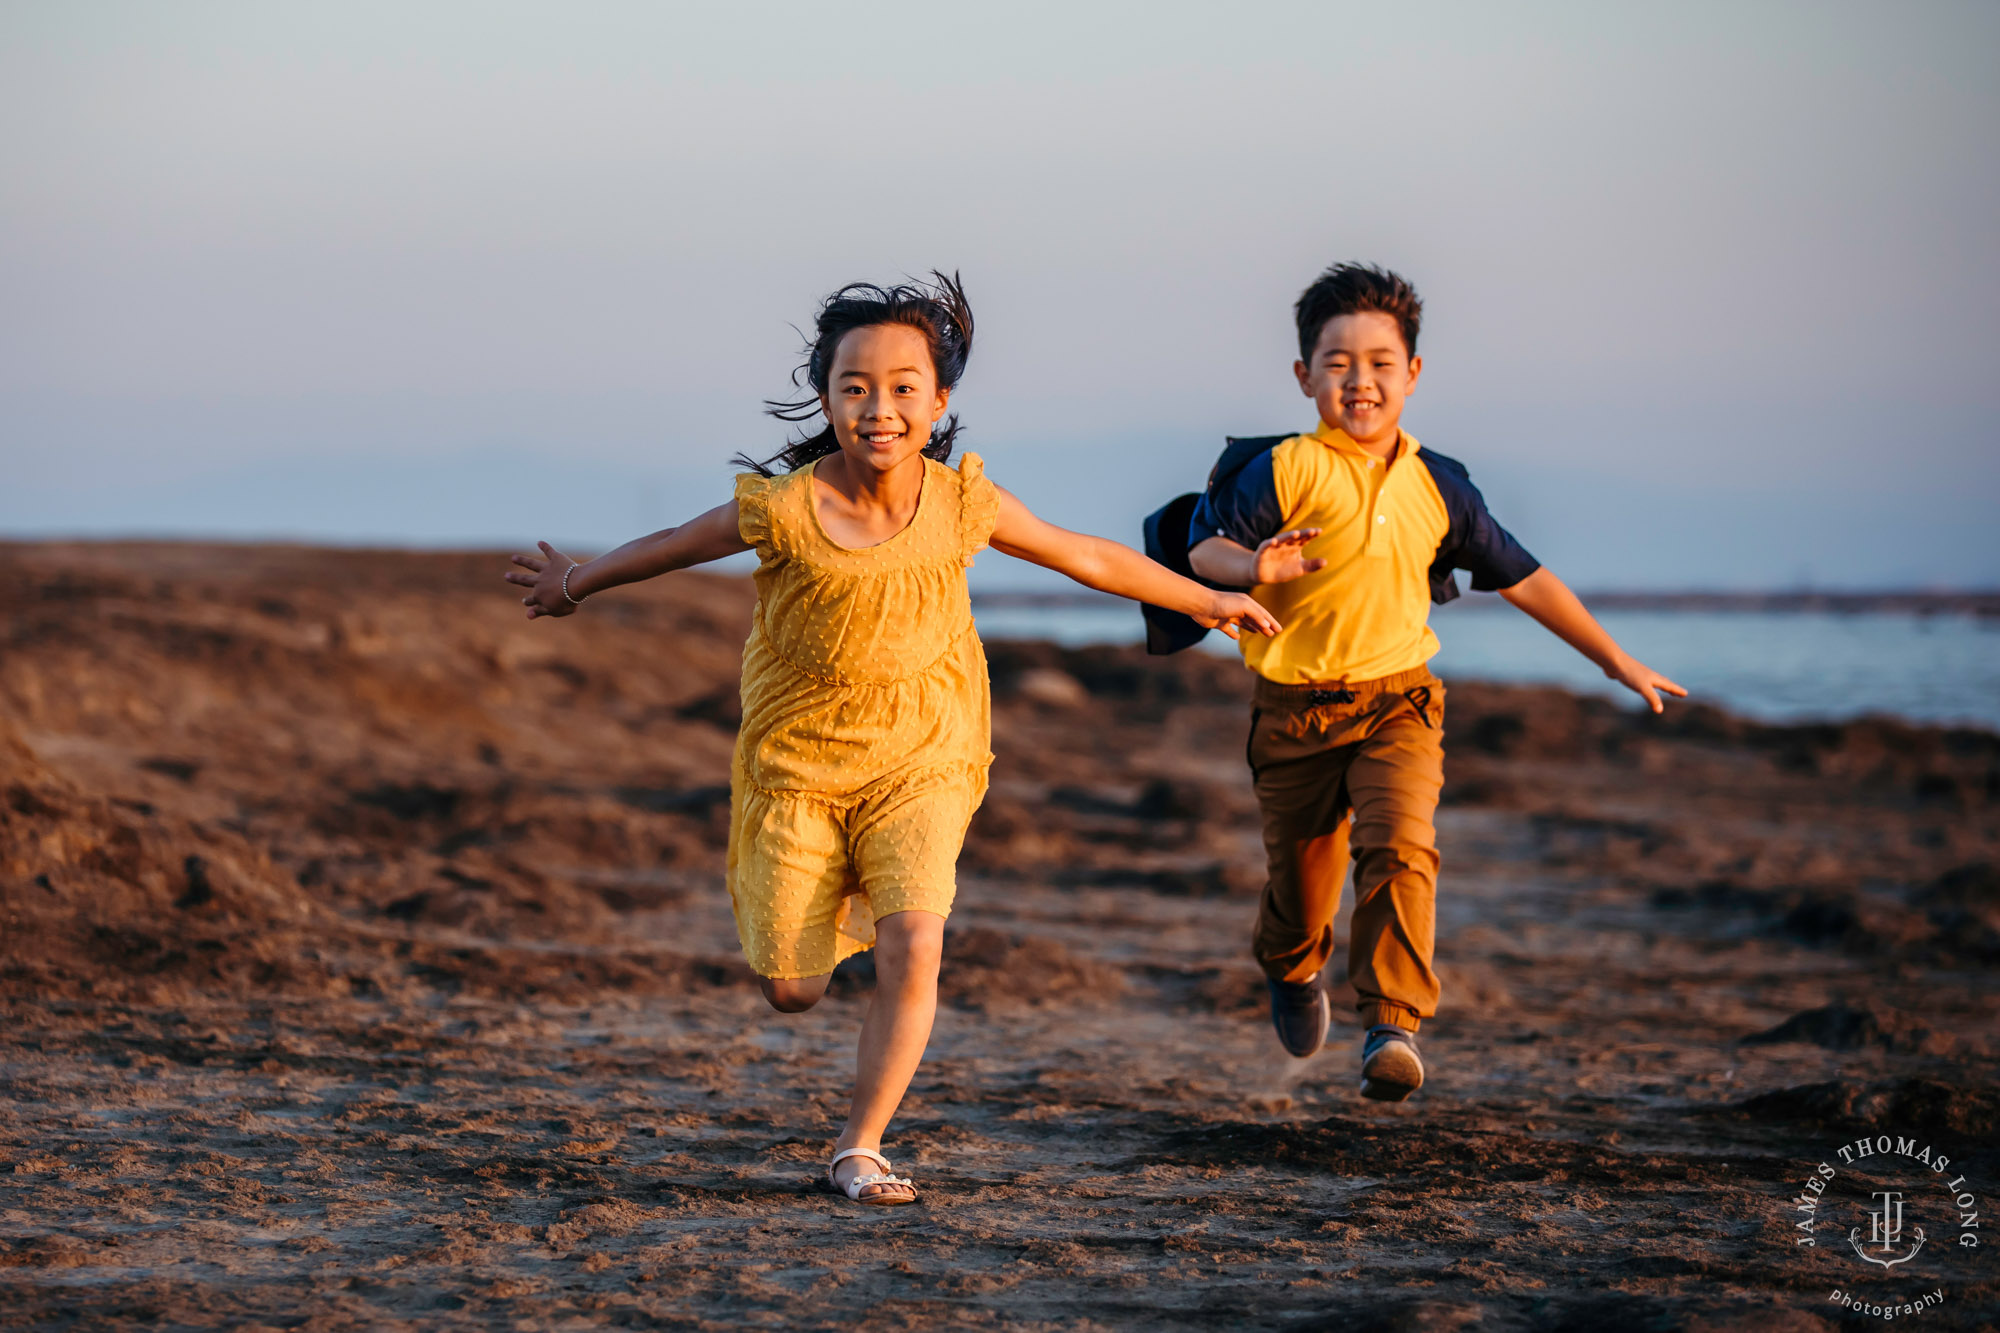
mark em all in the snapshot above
pixel 1980 600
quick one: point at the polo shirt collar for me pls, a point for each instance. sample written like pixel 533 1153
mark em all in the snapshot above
pixel 1336 438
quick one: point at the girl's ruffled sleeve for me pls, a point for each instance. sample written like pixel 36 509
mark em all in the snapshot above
pixel 979 506
pixel 753 509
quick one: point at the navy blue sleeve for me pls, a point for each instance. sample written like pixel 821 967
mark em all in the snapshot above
pixel 1474 542
pixel 1242 506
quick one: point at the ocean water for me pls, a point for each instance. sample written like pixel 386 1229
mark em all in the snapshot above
pixel 1781 666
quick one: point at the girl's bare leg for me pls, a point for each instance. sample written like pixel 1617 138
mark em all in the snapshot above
pixel 796 995
pixel 908 947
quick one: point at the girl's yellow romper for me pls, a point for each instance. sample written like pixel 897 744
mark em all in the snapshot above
pixel 866 720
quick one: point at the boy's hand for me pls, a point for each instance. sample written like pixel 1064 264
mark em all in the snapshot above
pixel 544 582
pixel 1549 600
pixel 1283 557
pixel 1643 681
pixel 1233 612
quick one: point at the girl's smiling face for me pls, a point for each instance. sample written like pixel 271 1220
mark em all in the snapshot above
pixel 883 397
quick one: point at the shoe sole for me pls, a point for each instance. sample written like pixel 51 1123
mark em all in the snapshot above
pixel 1392 1073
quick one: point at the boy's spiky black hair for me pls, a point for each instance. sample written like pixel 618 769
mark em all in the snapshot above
pixel 1350 289
pixel 936 309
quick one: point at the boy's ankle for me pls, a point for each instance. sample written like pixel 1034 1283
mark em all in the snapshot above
pixel 1378 1012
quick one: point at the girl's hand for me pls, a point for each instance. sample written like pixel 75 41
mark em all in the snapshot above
pixel 1283 557
pixel 544 582
pixel 1643 681
pixel 1233 612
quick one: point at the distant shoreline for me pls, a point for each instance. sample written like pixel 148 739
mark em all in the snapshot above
pixel 1983 602
pixel 1969 603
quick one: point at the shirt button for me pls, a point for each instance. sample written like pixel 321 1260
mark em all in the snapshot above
pixel 1381 518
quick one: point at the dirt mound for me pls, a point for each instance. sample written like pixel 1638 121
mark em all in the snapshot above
pixel 1964 907
pixel 1840 1027
pixel 1937 767
pixel 1952 921
pixel 114 897
pixel 1532 723
pixel 1908 1104
pixel 259 767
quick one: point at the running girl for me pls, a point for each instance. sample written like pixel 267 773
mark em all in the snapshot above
pixel 865 738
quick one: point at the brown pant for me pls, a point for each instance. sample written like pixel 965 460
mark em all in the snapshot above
pixel 1316 758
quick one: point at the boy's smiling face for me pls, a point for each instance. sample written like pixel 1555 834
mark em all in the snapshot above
pixel 883 396
pixel 1359 375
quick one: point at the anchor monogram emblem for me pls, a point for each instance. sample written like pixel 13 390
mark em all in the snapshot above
pixel 1885 1231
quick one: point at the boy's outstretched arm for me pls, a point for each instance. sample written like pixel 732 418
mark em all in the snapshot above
pixel 710 536
pixel 1108 567
pixel 1549 600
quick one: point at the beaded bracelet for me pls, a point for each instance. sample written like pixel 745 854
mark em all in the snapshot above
pixel 573 601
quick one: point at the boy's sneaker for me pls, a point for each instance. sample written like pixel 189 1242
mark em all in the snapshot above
pixel 1391 1069
pixel 1300 1013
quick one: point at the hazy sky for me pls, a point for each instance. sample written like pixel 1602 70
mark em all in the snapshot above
pixel 1713 291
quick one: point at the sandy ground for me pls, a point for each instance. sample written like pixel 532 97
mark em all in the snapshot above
pixel 364 963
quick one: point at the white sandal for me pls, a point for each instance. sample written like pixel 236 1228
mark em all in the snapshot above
pixel 882 1199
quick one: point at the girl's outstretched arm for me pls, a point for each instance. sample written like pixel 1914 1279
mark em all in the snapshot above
pixel 1549 600
pixel 698 541
pixel 1109 567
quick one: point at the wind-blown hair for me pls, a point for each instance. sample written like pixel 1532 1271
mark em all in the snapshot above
pixel 1350 289
pixel 936 309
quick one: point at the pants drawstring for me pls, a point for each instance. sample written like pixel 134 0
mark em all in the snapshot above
pixel 1420 699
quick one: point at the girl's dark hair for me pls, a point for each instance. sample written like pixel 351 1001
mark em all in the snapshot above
pixel 1350 289
pixel 936 309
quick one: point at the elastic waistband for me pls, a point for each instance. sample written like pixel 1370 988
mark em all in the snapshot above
pixel 1324 693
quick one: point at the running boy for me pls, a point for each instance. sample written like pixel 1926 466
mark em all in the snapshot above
pixel 1347 533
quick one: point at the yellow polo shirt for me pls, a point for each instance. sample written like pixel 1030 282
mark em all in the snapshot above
pixel 1391 532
